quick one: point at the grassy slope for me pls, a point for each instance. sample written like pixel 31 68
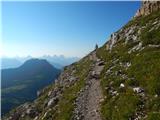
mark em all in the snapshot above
pixel 65 106
pixel 145 69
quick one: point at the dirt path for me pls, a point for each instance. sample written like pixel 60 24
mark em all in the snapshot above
pixel 88 102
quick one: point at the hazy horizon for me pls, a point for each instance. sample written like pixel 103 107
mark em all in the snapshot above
pixel 16 56
pixel 61 28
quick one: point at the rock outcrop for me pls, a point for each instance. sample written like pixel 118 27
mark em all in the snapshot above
pixel 148 7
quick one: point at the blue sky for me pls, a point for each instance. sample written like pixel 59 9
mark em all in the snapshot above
pixel 61 28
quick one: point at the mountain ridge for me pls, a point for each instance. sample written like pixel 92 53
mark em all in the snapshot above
pixel 18 83
pixel 57 61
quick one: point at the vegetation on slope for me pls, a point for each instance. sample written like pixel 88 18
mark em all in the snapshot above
pixel 65 106
pixel 143 72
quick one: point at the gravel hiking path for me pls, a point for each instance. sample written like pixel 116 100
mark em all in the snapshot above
pixel 88 102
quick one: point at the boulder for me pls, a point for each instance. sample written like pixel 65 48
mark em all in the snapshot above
pixel 122 85
pixel 100 63
pixel 135 48
pixel 32 112
pixel 138 90
pixel 52 101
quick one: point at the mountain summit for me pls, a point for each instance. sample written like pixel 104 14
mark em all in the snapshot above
pixel 118 81
pixel 21 84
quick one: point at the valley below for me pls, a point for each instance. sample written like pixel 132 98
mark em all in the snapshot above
pixel 20 85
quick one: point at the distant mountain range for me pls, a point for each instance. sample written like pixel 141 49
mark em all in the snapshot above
pixel 21 84
pixel 57 61
pixel 61 60
pixel 10 63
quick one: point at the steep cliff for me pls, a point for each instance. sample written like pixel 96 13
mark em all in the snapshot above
pixel 118 81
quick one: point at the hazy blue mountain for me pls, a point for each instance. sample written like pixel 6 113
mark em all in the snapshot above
pixel 61 60
pixel 21 84
pixel 56 65
pixel 57 61
pixel 10 63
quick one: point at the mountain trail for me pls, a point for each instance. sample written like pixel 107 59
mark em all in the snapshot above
pixel 88 102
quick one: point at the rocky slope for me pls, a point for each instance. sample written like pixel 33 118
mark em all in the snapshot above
pixel 119 81
pixel 147 8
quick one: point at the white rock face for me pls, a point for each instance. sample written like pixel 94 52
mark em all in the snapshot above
pixel 122 85
pixel 137 89
pixel 28 111
pixel 50 102
pixel 135 48
pixel 49 93
pixel 36 118
pixel 148 7
pixel 129 35
pixel 113 39
pixel 128 64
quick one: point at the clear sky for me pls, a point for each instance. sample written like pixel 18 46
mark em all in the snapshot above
pixel 61 28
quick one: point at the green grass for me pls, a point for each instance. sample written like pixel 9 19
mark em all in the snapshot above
pixel 144 69
pixel 39 103
pixel 150 37
pixel 154 116
pixel 65 108
pixel 141 21
pixel 121 107
pixel 66 105
pixel 13 89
